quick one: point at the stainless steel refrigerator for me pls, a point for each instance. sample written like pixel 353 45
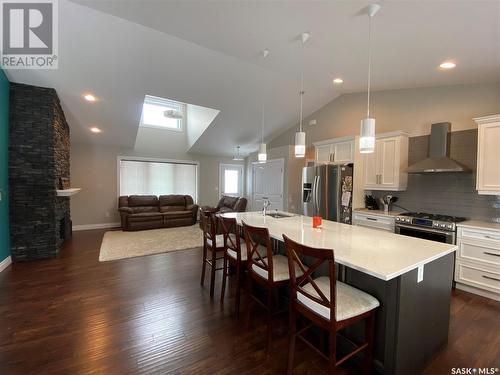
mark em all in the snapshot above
pixel 327 192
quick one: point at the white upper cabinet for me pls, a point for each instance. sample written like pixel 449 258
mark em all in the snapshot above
pixel 488 155
pixel 337 151
pixel 385 168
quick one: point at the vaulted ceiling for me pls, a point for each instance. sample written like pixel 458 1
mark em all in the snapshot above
pixel 207 53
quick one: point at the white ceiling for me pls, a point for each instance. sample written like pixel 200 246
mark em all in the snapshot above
pixel 207 53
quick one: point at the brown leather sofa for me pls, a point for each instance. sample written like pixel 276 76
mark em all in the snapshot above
pixel 140 212
pixel 228 204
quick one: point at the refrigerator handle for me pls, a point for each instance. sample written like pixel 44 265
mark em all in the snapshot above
pixel 314 194
pixel 317 195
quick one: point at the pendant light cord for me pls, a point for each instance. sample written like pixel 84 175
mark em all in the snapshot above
pixel 262 121
pixel 301 98
pixel 369 64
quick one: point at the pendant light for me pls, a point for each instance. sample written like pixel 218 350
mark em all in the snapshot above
pixel 367 133
pixel 262 155
pixel 300 136
pixel 238 157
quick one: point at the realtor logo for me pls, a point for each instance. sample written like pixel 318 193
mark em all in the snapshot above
pixel 29 34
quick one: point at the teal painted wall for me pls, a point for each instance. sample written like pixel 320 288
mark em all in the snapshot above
pixel 4 166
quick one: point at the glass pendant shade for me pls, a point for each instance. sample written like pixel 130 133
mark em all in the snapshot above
pixel 262 152
pixel 300 144
pixel 367 137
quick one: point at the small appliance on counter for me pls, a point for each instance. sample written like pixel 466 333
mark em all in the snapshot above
pixel 327 192
pixel 371 203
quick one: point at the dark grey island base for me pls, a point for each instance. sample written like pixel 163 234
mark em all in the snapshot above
pixel 412 321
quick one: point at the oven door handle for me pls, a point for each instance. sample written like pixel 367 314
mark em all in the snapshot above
pixel 445 233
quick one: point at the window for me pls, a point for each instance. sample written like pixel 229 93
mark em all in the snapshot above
pixel 143 177
pixel 155 115
pixel 231 179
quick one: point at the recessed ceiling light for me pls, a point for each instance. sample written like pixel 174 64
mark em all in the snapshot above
pixel 95 130
pixel 448 65
pixel 338 81
pixel 89 97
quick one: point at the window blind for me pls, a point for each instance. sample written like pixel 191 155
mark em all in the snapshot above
pixel 158 178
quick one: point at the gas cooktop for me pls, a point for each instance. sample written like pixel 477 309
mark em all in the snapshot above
pixel 435 221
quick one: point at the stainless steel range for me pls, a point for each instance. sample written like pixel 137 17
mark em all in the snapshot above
pixel 441 228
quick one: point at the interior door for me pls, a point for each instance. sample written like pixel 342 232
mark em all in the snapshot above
pixel 268 184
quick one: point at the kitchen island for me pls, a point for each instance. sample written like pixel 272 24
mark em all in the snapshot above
pixel 411 278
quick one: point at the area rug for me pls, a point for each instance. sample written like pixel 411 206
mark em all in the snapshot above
pixel 121 245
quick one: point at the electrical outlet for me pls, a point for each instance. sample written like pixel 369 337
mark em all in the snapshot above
pixel 420 274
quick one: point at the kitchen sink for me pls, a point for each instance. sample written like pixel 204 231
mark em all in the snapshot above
pixel 278 215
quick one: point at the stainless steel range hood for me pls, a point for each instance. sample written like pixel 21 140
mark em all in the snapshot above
pixel 439 150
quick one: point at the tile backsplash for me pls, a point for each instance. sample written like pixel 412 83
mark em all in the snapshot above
pixel 447 193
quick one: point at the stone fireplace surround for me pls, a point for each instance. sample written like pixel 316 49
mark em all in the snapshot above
pixel 39 154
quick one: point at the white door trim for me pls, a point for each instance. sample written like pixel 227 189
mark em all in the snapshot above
pixel 240 167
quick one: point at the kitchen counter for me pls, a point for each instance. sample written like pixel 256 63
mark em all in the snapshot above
pixel 380 254
pixel 410 277
pixel 377 212
pixel 476 224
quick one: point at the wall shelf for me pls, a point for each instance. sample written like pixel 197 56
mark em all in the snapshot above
pixel 67 192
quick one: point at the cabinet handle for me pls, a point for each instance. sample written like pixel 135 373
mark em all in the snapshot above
pixel 372 219
pixel 493 254
pixel 492 237
pixel 490 278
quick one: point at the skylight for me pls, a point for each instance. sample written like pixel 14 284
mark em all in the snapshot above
pixel 162 113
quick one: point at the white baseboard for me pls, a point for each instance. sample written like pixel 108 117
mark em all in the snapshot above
pixel 480 292
pixel 96 226
pixel 5 263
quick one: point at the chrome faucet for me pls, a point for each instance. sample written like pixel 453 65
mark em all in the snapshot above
pixel 265 204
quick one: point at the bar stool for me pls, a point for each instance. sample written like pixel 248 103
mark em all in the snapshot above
pixel 213 242
pixel 235 254
pixel 271 272
pixel 327 303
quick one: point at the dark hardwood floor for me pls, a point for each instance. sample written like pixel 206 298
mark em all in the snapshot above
pixel 74 315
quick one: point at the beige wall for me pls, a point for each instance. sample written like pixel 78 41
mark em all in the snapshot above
pixel 94 169
pixel 411 110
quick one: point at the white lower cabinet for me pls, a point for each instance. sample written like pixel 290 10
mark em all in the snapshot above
pixel 477 266
pixel 381 222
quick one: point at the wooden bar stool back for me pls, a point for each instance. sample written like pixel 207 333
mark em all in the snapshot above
pixel 213 243
pixel 266 269
pixel 235 253
pixel 327 303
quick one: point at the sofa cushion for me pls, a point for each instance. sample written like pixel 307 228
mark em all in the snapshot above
pixel 142 200
pixel 177 214
pixel 172 203
pixel 142 209
pixel 145 216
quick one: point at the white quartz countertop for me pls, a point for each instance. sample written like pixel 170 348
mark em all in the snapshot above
pixel 380 254
pixel 479 225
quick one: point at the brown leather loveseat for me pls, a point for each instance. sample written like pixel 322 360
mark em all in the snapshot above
pixel 228 204
pixel 140 212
